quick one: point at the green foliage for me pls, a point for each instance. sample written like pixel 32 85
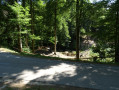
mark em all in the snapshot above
pixel 22 15
pixel 33 37
pixel 97 23
pixel 26 50
pixel 94 54
pixel 52 40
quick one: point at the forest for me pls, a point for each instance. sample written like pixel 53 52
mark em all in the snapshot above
pixel 83 28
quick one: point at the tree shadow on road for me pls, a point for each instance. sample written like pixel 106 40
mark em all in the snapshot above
pixel 25 70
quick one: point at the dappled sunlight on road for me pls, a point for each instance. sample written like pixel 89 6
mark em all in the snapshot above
pixel 19 71
pixel 53 73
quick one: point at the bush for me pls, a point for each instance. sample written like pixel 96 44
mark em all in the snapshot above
pixel 26 50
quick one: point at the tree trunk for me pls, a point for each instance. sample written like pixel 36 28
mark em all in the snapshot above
pixel 32 26
pixel 77 29
pixel 55 28
pixel 26 37
pixel 117 38
pixel 19 39
pixel 78 26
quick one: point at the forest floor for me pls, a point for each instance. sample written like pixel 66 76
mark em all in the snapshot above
pixel 59 55
pixel 18 70
pixel 65 55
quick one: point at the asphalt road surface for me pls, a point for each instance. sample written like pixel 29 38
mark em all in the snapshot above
pixel 34 70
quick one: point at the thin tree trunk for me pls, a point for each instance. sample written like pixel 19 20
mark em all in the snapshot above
pixel 26 40
pixel 55 28
pixel 77 29
pixel 33 41
pixel 78 26
pixel 19 36
pixel 19 39
pixel 26 37
pixel 32 26
pixel 117 38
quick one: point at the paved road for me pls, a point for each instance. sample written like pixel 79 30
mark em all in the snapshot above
pixel 27 70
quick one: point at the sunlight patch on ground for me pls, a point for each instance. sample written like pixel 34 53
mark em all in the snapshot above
pixel 60 55
pixel 6 50
pixel 54 73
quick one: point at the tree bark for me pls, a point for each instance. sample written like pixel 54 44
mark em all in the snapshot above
pixel 117 38
pixel 32 22
pixel 55 28
pixel 26 37
pixel 77 29
pixel 19 39
pixel 78 26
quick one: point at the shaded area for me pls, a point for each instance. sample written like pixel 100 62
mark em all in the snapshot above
pixel 17 70
pixel 47 87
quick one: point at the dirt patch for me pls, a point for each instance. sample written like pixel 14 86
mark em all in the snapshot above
pixel 59 54
pixel 7 50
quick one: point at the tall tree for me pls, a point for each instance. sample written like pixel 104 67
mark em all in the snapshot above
pixel 117 32
pixel 77 29
pixel 32 22
pixel 19 34
pixel 55 27
pixel 20 19
pixel 79 7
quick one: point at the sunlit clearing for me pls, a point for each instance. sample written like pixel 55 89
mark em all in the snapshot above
pixel 54 73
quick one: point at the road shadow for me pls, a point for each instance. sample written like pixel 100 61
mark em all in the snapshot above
pixel 25 70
